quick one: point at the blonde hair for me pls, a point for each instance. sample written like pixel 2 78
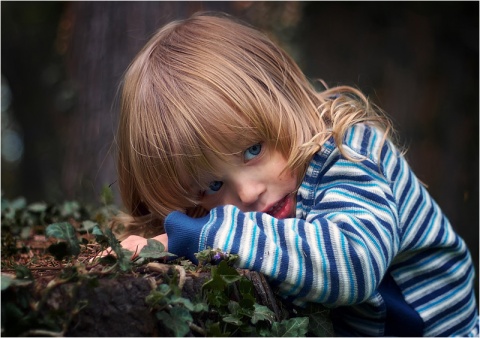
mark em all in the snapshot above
pixel 213 84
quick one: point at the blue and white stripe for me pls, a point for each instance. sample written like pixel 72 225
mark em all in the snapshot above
pixel 356 220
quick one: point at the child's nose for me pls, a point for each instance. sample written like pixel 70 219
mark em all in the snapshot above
pixel 249 192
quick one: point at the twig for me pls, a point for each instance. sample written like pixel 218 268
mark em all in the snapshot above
pixel 163 268
pixel 197 329
pixel 44 333
pixel 135 255
pixel 37 268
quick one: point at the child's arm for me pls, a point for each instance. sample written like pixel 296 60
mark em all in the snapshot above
pixel 337 255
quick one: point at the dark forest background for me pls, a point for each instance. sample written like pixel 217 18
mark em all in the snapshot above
pixel 62 63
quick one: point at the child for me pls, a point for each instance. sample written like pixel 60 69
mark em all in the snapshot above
pixel 306 187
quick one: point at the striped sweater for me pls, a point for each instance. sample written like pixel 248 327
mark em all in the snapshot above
pixel 368 241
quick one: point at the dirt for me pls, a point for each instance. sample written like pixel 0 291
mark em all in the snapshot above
pixel 105 305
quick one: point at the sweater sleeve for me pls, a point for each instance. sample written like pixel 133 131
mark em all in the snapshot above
pixel 337 255
pixel 183 234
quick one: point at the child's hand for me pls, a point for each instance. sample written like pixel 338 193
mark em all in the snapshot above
pixel 135 244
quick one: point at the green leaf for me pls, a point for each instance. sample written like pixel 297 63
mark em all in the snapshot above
pixel 293 327
pixel 217 298
pixel 230 279
pixel 154 249
pixel 187 303
pixel 320 324
pixel 233 319
pixel 233 307
pixel 106 196
pixel 262 313
pixel 214 330
pixel 10 208
pixel 247 302
pixel 70 208
pixel 108 238
pixel 88 226
pixel 245 286
pixel 216 282
pixel 123 255
pixel 226 270
pixel 65 231
pixel 222 275
pixel 177 320
pixel 18 203
pixel 22 272
pixel 157 297
pixel 6 281
pixel 99 235
pixel 37 207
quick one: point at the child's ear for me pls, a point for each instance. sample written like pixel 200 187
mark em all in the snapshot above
pixel 196 212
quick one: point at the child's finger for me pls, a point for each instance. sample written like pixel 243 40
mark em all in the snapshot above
pixel 103 253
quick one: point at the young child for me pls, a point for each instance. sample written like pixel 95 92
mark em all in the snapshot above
pixel 224 143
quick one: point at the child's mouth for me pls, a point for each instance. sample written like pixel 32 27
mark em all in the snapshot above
pixel 282 209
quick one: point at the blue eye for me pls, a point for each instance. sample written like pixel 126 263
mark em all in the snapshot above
pixel 252 152
pixel 214 187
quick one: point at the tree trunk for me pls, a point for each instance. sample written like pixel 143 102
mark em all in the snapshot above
pixel 103 39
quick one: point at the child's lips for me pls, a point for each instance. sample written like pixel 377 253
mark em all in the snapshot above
pixel 282 208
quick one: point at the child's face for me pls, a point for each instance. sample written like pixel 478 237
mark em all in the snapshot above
pixel 253 181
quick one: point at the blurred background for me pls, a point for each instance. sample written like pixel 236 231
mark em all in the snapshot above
pixel 62 63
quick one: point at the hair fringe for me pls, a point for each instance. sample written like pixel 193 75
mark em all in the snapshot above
pixel 174 104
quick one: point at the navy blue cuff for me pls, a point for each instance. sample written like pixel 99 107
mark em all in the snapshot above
pixel 183 234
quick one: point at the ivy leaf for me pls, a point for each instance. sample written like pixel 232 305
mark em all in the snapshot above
pixel 37 207
pixel 88 226
pixel 230 279
pixel 16 204
pixel 106 196
pixel 217 298
pixel 262 313
pixel 245 286
pixel 154 249
pixel 233 319
pixel 22 272
pixel 70 208
pixel 198 307
pixel 293 327
pixel 247 302
pixel 320 324
pixel 107 237
pixel 216 282
pixel 99 235
pixel 214 330
pixel 159 296
pixel 123 255
pixel 7 281
pixel 227 273
pixel 226 270
pixel 65 231
pixel 177 320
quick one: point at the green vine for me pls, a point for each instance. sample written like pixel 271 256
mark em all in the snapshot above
pixel 227 305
